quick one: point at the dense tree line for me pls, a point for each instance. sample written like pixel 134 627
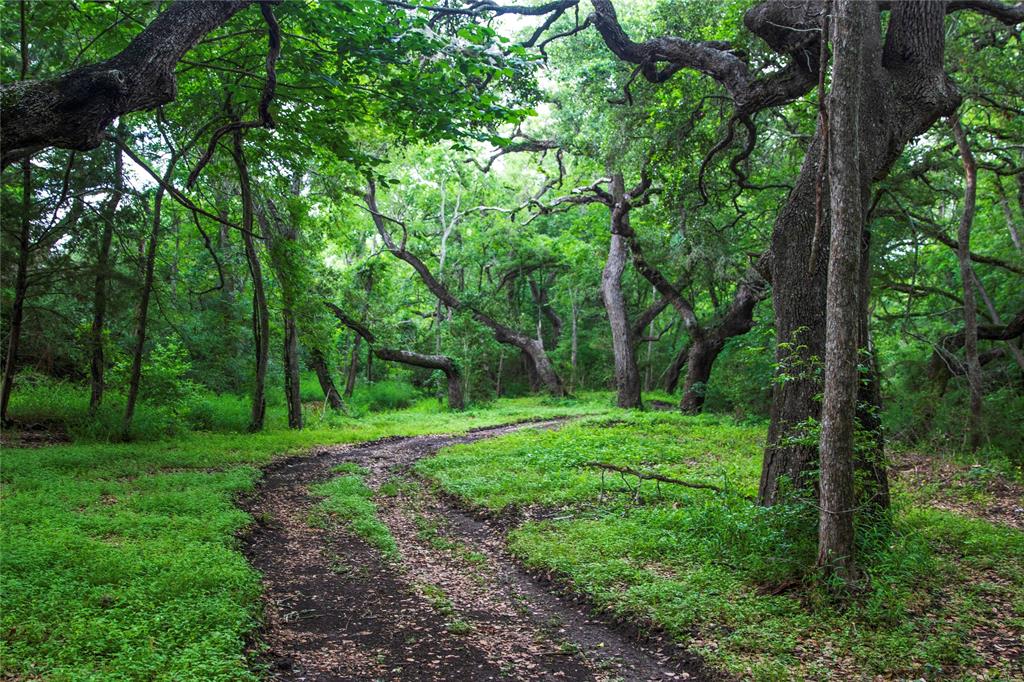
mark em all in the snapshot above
pixel 814 219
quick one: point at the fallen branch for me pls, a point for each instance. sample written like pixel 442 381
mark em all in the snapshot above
pixel 650 476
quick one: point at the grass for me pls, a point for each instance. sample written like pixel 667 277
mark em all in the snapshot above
pixel 348 500
pixel 730 579
pixel 120 560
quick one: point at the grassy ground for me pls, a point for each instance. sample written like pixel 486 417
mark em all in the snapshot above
pixel 943 594
pixel 120 561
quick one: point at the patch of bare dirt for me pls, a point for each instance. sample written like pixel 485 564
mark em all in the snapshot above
pixel 961 489
pixel 455 607
pixel 35 435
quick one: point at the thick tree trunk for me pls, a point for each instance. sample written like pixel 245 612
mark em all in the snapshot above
pixel 260 312
pixel 906 91
pixel 73 110
pixel 847 197
pixel 97 363
pixel 20 290
pixel 973 434
pixel 319 364
pixel 627 375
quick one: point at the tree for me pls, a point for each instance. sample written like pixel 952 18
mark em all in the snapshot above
pixel 73 110
pixel 973 435
pixel 851 35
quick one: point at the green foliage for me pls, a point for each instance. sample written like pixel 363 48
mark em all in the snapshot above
pixel 348 501
pixel 120 561
pixel 384 395
pixel 728 578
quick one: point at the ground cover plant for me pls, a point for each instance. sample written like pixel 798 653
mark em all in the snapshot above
pixel 120 560
pixel 773 251
pixel 729 579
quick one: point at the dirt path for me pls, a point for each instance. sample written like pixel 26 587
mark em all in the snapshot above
pixel 454 608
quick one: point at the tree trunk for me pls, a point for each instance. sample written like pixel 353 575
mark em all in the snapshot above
pixel 97 364
pixel 700 357
pixel 627 375
pixel 281 237
pixel 260 312
pixel 574 344
pixel 973 435
pixel 24 236
pixel 353 368
pixel 135 377
pixel 293 394
pixel 906 91
pixel 319 364
pixel 20 290
pixel 847 197
pixel 675 368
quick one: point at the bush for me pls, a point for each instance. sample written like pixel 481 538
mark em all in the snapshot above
pixel 384 395
pixel 164 377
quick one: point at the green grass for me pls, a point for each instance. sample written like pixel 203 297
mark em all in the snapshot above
pixel 120 561
pixel 546 467
pixel 709 568
pixel 348 500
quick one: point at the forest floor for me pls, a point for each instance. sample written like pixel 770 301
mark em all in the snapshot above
pixel 453 607
pixel 390 552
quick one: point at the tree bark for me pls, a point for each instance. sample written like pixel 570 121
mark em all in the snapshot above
pixel 73 110
pixel 260 312
pixel 973 434
pixel 627 375
pixel 847 198
pixel 319 364
pixel 97 363
pixel 906 91
pixel 20 290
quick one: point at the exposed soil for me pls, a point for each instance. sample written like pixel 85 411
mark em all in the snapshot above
pixel 455 607
pixel 33 435
pixel 942 483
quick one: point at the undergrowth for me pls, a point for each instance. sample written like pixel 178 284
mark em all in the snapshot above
pixel 348 500
pixel 732 580
pixel 120 560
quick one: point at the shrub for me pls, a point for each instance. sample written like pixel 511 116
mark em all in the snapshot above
pixel 384 395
